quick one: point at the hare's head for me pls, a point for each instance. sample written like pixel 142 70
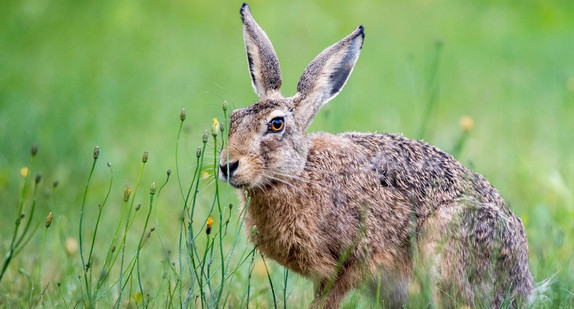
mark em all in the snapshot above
pixel 267 140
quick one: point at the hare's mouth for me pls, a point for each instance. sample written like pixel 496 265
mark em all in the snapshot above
pixel 237 185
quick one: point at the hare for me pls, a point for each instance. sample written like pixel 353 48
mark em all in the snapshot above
pixel 355 207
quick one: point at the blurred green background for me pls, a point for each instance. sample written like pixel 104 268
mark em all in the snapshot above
pixel 76 74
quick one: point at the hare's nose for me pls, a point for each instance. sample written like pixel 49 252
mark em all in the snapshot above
pixel 232 168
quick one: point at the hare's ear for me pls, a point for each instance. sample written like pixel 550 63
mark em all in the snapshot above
pixel 263 63
pixel 326 75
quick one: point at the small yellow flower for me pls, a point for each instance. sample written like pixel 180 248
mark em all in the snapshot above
pixel 204 175
pixel 137 297
pixel 466 123
pixel 209 224
pixel 71 246
pixel 24 171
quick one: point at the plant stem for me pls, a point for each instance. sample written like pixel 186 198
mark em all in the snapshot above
pixel 80 232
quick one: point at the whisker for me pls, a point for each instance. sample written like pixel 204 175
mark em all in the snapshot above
pixel 287 183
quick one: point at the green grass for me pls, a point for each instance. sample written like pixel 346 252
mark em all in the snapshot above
pixel 117 73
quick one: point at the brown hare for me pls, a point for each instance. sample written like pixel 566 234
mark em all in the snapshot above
pixel 347 208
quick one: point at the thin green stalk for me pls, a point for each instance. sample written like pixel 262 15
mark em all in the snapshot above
pixel 249 277
pixel 221 216
pixel 128 225
pixel 101 207
pixel 31 216
pixel 199 160
pixel 240 225
pixel 182 119
pixel 270 282
pixel 96 155
pixel 40 265
pixel 378 292
pixel 27 240
pixel 151 193
pixel 286 277
pixel 191 243
pixel 110 261
pixel 10 255
pixel 203 300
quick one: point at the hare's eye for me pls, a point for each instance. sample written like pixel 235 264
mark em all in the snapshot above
pixel 276 125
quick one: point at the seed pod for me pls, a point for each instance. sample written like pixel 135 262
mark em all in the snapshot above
pixel 49 220
pixel 182 115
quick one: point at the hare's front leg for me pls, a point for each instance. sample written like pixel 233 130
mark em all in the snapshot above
pixel 329 294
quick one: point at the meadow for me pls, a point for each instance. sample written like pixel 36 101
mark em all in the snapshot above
pixel 91 99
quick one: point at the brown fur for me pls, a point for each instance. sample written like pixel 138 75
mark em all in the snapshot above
pixel 342 209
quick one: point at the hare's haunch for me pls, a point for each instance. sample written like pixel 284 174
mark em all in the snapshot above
pixel 342 209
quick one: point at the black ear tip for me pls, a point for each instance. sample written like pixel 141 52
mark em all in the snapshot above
pixel 244 7
pixel 361 31
pixel 244 11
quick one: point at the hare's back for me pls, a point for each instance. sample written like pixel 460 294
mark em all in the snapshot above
pixel 423 174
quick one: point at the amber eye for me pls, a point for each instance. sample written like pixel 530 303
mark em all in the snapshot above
pixel 276 125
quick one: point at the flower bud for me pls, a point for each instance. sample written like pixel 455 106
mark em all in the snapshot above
pixel 225 106
pixel 182 115
pixel 215 127
pixel 138 206
pixel 198 152
pixel 34 150
pixel 205 136
pixel 144 157
pixel 55 184
pixel 168 172
pixel 96 152
pixel 152 188
pixel 127 192
pixel 38 178
pixel 49 220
